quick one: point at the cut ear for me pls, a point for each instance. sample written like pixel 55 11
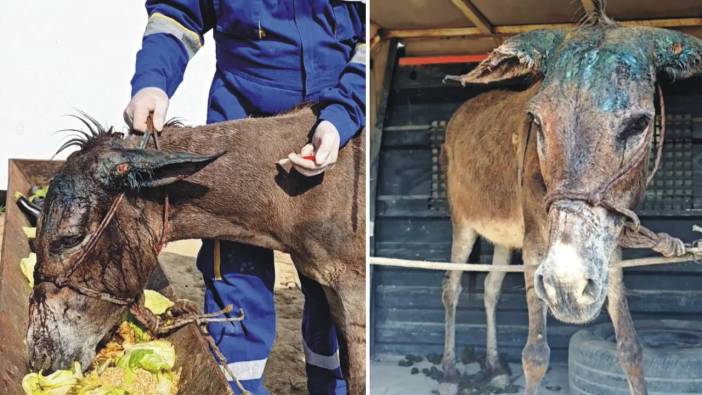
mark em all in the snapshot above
pixel 677 55
pixel 142 168
pixel 523 55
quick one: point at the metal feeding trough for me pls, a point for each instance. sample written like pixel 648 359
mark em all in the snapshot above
pixel 200 373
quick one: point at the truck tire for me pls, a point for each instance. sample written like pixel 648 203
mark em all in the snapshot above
pixel 672 359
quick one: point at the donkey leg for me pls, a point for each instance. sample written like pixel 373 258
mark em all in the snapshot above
pixel 348 308
pixel 536 353
pixel 493 290
pixel 628 347
pixel 461 246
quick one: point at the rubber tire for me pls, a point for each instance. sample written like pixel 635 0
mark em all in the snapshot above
pixel 672 359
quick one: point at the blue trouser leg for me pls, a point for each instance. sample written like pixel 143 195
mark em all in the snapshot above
pixel 324 376
pixel 247 278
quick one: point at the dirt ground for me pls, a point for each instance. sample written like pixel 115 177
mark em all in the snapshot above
pixel 285 371
pixel 387 377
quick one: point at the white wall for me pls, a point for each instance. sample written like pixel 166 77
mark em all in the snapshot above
pixel 58 56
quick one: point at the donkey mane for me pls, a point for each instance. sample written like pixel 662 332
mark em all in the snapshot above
pixel 96 132
pixel 596 16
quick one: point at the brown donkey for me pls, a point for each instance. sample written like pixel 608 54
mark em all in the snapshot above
pixel 222 182
pixel 552 169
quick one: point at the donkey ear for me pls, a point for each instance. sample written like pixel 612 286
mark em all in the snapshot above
pixel 143 168
pixel 522 55
pixel 677 55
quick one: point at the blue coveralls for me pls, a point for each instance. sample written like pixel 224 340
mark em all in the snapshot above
pixel 271 56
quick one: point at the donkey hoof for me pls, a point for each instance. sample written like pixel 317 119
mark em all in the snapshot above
pixel 500 381
pixel 448 388
pixel 497 372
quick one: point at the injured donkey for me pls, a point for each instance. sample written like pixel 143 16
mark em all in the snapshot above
pixel 555 170
pixel 85 283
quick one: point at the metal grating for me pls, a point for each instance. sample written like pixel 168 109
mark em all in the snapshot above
pixel 438 198
pixel 672 189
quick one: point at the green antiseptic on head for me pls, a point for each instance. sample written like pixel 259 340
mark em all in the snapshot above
pixel 604 65
pixel 607 60
pixel 596 98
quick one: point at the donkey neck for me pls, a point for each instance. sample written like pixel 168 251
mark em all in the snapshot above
pixel 239 196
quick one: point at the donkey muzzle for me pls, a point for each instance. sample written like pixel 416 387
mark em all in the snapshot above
pixel 569 285
pixel 572 278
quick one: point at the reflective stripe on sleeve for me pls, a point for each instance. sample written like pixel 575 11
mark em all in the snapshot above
pixel 245 370
pixel 329 362
pixel 159 23
pixel 360 53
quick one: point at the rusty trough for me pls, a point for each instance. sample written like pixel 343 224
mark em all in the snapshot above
pixel 200 373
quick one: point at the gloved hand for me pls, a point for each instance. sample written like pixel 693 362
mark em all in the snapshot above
pixel 324 148
pixel 146 100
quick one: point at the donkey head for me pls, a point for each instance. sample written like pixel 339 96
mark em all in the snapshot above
pixel 66 325
pixel 591 116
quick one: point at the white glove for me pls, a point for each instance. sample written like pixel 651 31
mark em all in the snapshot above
pixel 145 101
pixel 321 155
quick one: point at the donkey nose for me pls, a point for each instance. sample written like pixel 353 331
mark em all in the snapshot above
pixel 576 287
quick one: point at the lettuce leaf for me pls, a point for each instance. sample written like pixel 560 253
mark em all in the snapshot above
pixel 57 383
pixel 27 266
pixel 101 391
pixel 153 356
pixel 140 334
pixel 30 232
pixel 39 194
pixel 157 303
pixel 94 385
pixel 166 381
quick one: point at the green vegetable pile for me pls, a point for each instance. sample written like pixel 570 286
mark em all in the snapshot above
pixel 131 363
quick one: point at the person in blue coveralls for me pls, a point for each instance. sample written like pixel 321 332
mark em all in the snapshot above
pixel 272 55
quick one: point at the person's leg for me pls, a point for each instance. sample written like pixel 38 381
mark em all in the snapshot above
pixel 320 343
pixel 244 279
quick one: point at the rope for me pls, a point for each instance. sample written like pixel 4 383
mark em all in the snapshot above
pixel 661 136
pixel 662 243
pixel 634 235
pixel 642 237
pixel 692 255
pixel 153 323
pixel 222 360
pixel 64 280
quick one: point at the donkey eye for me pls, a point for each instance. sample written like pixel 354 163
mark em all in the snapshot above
pixel 634 127
pixel 71 241
pixel 65 243
pixel 534 119
pixel 536 122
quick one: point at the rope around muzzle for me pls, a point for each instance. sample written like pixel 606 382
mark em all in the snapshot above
pixel 634 235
